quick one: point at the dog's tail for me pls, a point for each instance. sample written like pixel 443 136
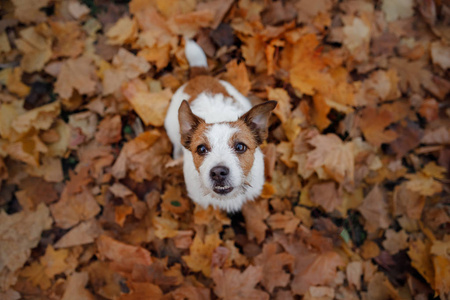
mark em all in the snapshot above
pixel 196 58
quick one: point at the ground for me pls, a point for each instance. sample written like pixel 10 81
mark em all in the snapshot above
pixel 356 201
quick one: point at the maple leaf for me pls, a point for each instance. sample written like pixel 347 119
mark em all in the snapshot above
pixel 69 39
pixel 326 195
pixel 237 76
pixel 286 221
pixel 28 11
pixel 14 82
pixel 354 272
pixel 200 255
pixel 231 284
pixel 423 184
pixel 76 74
pixel 73 208
pixel 36 274
pixel 255 213
pixel 273 264
pixel 283 108
pixel 419 253
pixel 123 256
pixel 109 130
pixel 76 287
pixel 373 123
pixel 150 106
pixel 142 290
pixel 84 233
pixel 395 241
pixel 20 233
pixel 36 47
pixel 397 9
pixel 334 156
pixel 374 210
pixel 439 54
pixel 124 31
pixel 126 66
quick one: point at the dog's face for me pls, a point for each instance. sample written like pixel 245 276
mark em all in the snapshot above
pixel 223 153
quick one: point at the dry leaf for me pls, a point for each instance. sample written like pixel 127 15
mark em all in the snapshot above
pixel 123 256
pixel 273 264
pixel 200 255
pixel 36 47
pixel 374 210
pixel 124 31
pixel 76 74
pixel 231 284
pixel 255 213
pixel 151 107
pixel 27 11
pixel 237 75
pixel 395 241
pixel 76 287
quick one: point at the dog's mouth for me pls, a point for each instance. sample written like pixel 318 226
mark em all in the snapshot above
pixel 222 189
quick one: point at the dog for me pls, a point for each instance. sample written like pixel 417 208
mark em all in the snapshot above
pixel 218 133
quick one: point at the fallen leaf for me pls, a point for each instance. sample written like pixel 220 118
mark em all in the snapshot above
pixel 334 156
pixel 272 262
pixel 354 272
pixel 326 195
pixel 123 256
pixel 255 213
pixel 76 74
pixel 84 233
pixel 151 107
pixel 373 123
pixel 20 233
pixel 397 9
pixel 237 76
pixel 36 47
pixel 82 207
pixel 200 254
pixel 374 210
pixel 232 284
pixel 76 287
pixel 439 54
pixel 395 241
pixel 123 31
pixel 419 253
pixel 109 130
pixel 30 11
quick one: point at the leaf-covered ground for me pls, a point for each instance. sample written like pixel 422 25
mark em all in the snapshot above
pixel 356 203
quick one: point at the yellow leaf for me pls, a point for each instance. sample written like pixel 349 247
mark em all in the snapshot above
pixel 424 185
pixel 28 11
pixel 36 47
pixel 419 252
pixel 151 107
pixel 199 258
pixel 54 261
pixel 124 31
pixel 36 273
pixel 15 84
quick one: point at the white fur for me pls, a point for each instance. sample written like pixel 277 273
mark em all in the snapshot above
pixel 215 110
pixel 195 55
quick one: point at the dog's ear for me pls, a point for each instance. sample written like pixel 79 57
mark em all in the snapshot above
pixel 188 123
pixel 257 119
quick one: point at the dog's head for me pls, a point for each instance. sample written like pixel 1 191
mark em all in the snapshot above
pixel 224 153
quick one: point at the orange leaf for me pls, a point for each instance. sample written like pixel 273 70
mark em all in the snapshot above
pixel 200 255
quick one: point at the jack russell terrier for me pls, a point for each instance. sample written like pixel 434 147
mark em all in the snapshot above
pixel 216 130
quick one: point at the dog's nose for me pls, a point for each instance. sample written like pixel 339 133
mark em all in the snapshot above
pixel 219 173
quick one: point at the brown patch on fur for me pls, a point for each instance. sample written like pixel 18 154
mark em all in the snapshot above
pixel 199 138
pixel 198 71
pixel 204 83
pixel 244 135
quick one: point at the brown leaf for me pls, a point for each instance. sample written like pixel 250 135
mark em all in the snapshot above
pixel 84 233
pixel 151 107
pixel 76 287
pixel 255 213
pixel 109 130
pixel 20 233
pixel 373 123
pixel 273 263
pixel 123 256
pixel 237 75
pixel 231 284
pixel 395 241
pixel 142 290
pixel 326 195
pixel 334 156
pixel 200 255
pixel 76 74
pixel 374 210
pixel 36 48
pixel 30 11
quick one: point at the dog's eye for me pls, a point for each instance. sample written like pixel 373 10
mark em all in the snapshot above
pixel 240 147
pixel 202 150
